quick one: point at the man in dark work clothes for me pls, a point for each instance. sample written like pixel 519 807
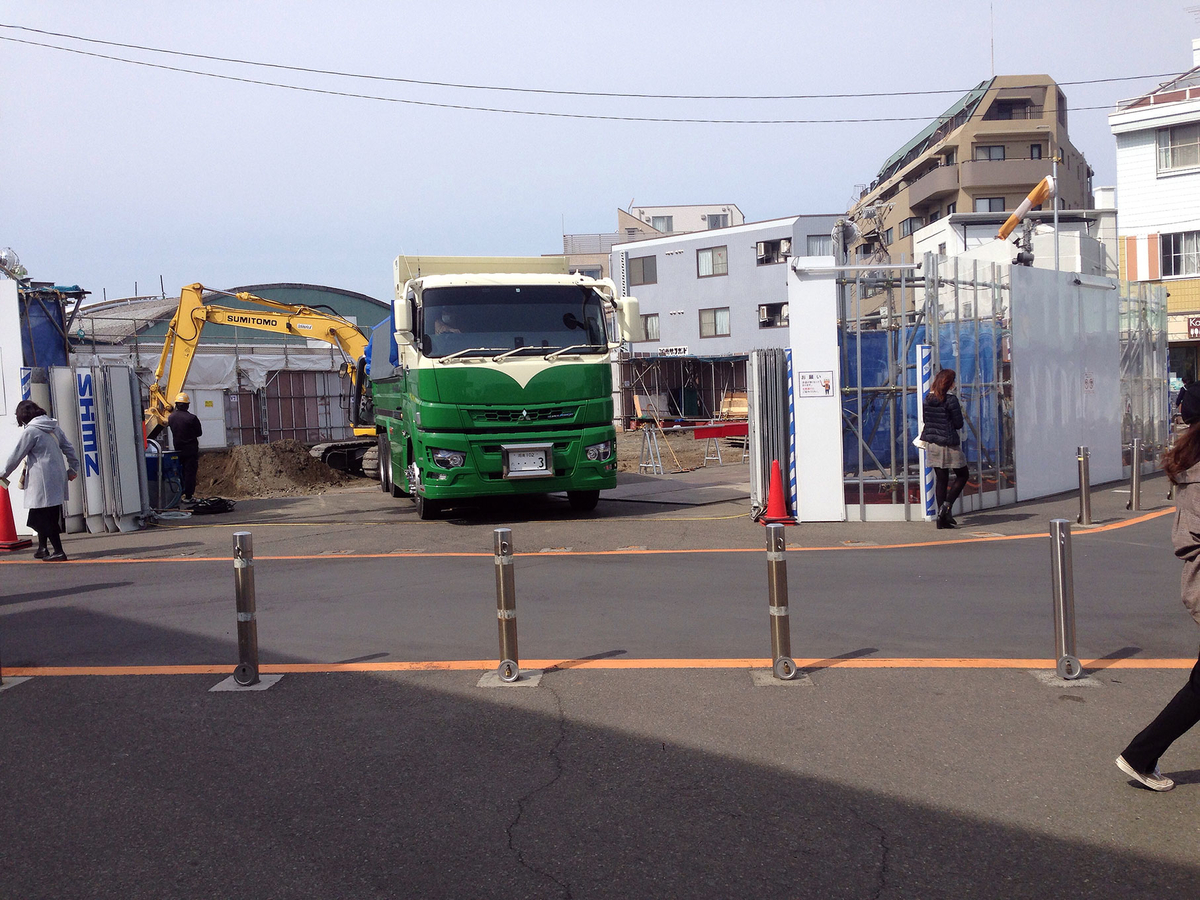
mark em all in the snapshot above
pixel 186 431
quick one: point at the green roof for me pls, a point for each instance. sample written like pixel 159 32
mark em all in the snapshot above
pixel 966 103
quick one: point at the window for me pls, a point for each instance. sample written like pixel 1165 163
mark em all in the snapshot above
pixel 887 236
pixel 951 157
pixel 650 326
pixel 820 245
pixel 589 271
pixel 989 204
pixel 1035 151
pixel 771 252
pixel 643 270
pixel 942 250
pixel 662 223
pixel 1062 110
pixel 909 225
pixel 712 261
pixel 717 220
pixel 1179 147
pixel 1180 253
pixel 951 208
pixel 994 152
pixel 934 216
pixel 714 322
pixel 772 315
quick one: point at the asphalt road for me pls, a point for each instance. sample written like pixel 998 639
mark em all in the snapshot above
pixel 980 599
pixel 685 780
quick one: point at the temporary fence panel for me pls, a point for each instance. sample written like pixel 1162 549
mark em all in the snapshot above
pixel 63 398
pixel 1144 392
pixel 767 398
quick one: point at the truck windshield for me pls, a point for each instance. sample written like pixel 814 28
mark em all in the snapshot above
pixel 492 319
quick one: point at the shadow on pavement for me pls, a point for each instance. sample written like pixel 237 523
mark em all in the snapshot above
pixel 351 786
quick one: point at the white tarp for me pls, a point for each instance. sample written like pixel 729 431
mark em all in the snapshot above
pixel 231 371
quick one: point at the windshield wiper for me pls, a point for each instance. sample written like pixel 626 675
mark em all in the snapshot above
pixel 514 352
pixel 596 347
pixel 451 356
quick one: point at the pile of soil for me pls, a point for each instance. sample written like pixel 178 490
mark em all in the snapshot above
pixel 281 469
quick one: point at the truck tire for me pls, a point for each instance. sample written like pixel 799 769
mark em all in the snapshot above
pixel 583 501
pixel 384 456
pixel 427 509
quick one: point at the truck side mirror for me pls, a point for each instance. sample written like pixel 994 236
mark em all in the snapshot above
pixel 629 320
pixel 402 319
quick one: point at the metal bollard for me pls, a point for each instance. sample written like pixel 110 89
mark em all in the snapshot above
pixel 509 669
pixel 246 673
pixel 1068 665
pixel 1135 477
pixel 1085 487
pixel 782 664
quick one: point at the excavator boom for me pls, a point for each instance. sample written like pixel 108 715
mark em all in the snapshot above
pixel 183 337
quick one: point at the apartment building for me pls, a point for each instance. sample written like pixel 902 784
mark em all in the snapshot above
pixel 984 154
pixel 588 254
pixel 1158 186
pixel 720 292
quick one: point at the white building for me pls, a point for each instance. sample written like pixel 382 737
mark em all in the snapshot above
pixel 720 292
pixel 1158 184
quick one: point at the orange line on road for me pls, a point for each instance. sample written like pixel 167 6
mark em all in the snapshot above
pixel 1112 526
pixel 479 665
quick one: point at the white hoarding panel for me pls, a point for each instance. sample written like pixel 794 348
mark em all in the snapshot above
pixel 1066 381
pixel 812 299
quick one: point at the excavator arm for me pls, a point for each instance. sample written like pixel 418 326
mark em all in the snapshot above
pixel 183 337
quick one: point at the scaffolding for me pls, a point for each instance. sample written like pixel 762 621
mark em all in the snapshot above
pixel 885 312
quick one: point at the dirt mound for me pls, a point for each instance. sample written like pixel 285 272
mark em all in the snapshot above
pixel 264 470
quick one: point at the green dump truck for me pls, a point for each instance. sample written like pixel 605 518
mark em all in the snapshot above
pixel 497 381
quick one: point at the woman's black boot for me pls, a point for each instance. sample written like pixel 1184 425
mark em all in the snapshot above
pixel 944 519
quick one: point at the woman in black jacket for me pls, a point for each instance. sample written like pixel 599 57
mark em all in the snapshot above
pixel 943 419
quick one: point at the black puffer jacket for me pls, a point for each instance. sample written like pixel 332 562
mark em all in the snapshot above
pixel 943 419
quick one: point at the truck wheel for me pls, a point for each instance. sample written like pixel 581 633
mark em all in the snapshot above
pixel 583 501
pixel 427 509
pixel 385 466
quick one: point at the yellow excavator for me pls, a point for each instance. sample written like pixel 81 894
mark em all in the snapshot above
pixel 183 337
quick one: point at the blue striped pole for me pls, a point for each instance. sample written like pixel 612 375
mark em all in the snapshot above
pixel 793 489
pixel 925 361
pixel 26 383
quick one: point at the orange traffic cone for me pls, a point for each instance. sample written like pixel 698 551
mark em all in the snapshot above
pixel 776 506
pixel 8 526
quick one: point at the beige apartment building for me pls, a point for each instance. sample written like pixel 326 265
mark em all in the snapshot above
pixel 984 154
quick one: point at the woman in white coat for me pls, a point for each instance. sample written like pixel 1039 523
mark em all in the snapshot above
pixel 50 462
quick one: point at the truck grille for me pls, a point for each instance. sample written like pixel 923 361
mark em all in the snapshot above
pixel 519 416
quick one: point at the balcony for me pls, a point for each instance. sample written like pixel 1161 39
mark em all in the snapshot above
pixel 938 182
pixel 1004 173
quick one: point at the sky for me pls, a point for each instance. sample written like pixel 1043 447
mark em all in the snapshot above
pixel 121 177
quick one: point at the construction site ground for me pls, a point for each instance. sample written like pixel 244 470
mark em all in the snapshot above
pixel 927 751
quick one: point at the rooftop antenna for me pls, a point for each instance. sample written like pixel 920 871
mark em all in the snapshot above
pixel 992 25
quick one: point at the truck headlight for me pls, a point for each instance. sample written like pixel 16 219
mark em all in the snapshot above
pixel 597 452
pixel 449 459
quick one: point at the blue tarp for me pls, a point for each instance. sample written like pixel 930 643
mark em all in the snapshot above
pixel 385 336
pixel 975 361
pixel 43 327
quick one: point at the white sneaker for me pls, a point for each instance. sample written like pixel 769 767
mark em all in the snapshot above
pixel 1155 780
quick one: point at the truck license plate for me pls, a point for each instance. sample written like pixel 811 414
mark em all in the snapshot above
pixel 527 461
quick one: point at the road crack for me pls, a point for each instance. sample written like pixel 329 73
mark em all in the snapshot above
pixel 526 801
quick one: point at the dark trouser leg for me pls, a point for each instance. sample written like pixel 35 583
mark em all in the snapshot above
pixel 188 465
pixel 1177 717
pixel 940 479
pixel 960 482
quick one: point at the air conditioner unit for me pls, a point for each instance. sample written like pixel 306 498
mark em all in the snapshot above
pixel 762 314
